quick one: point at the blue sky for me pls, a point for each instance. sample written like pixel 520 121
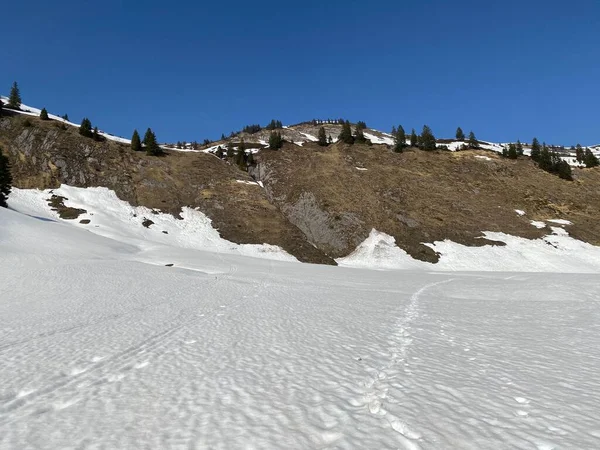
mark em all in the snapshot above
pixel 192 70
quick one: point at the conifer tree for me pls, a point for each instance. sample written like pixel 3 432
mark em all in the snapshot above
pixel 275 140
pixel 394 131
pixel 136 144
pixel 519 148
pixel 65 117
pixel 427 139
pixel 230 149
pixel 535 149
pixel 223 136
pixel 473 143
pixel 85 129
pixel 5 180
pixel 44 114
pixel 14 99
pixel 414 140
pixel 512 151
pixel 545 159
pixel 152 147
pixel 590 159
pixel 359 136
pixel 564 171
pixel 361 125
pixel 240 155
pixel 322 137
pixel 460 135
pixel 399 139
pixel 329 140
pixel 579 154
pixel 346 133
pixel 1 106
pixel 219 152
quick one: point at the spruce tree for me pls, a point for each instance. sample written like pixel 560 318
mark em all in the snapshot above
pixel 85 129
pixel 44 114
pixel 95 134
pixel 322 137
pixel 579 154
pixel 535 149
pixel 399 139
pixel 359 136
pixel 1 106
pixel 427 139
pixel 65 117
pixel 5 180
pixel 346 133
pixel 512 151
pixel 460 135
pixel 545 159
pixel 152 147
pixel 230 149
pixel 590 159
pixel 240 155
pixel 473 143
pixel 361 125
pixel 136 144
pixel 14 99
pixel 275 140
pixel 519 148
pixel 414 140
pixel 219 152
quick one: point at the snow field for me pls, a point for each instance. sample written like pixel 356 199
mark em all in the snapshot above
pixel 102 351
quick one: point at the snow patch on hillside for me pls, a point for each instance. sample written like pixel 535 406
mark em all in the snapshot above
pixel 557 252
pixel 114 218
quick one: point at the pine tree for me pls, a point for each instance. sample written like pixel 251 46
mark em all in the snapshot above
pixel 14 99
pixel 219 152
pixel 329 140
pixel 473 143
pixel 399 139
pixel 85 129
pixel 322 137
pixel 414 140
pixel 151 145
pixel 5 180
pixel 250 159
pixel 590 159
pixel 535 149
pixel 1 106
pixel 223 136
pixel 65 117
pixel 275 140
pixel 95 134
pixel 361 125
pixel 505 151
pixel 427 139
pixel 519 148
pixel 512 151
pixel 346 133
pixel 136 144
pixel 44 114
pixel 394 131
pixel 460 135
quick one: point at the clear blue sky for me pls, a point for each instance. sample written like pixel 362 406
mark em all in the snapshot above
pixel 191 70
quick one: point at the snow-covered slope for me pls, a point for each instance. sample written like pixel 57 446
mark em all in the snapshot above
pixel 102 348
pixel 109 216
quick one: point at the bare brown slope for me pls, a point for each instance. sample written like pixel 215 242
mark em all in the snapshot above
pixel 421 196
pixel 44 155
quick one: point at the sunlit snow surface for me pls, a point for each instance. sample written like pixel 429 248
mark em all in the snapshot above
pixel 102 346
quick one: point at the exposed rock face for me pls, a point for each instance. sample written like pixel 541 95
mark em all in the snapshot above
pixel 44 155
